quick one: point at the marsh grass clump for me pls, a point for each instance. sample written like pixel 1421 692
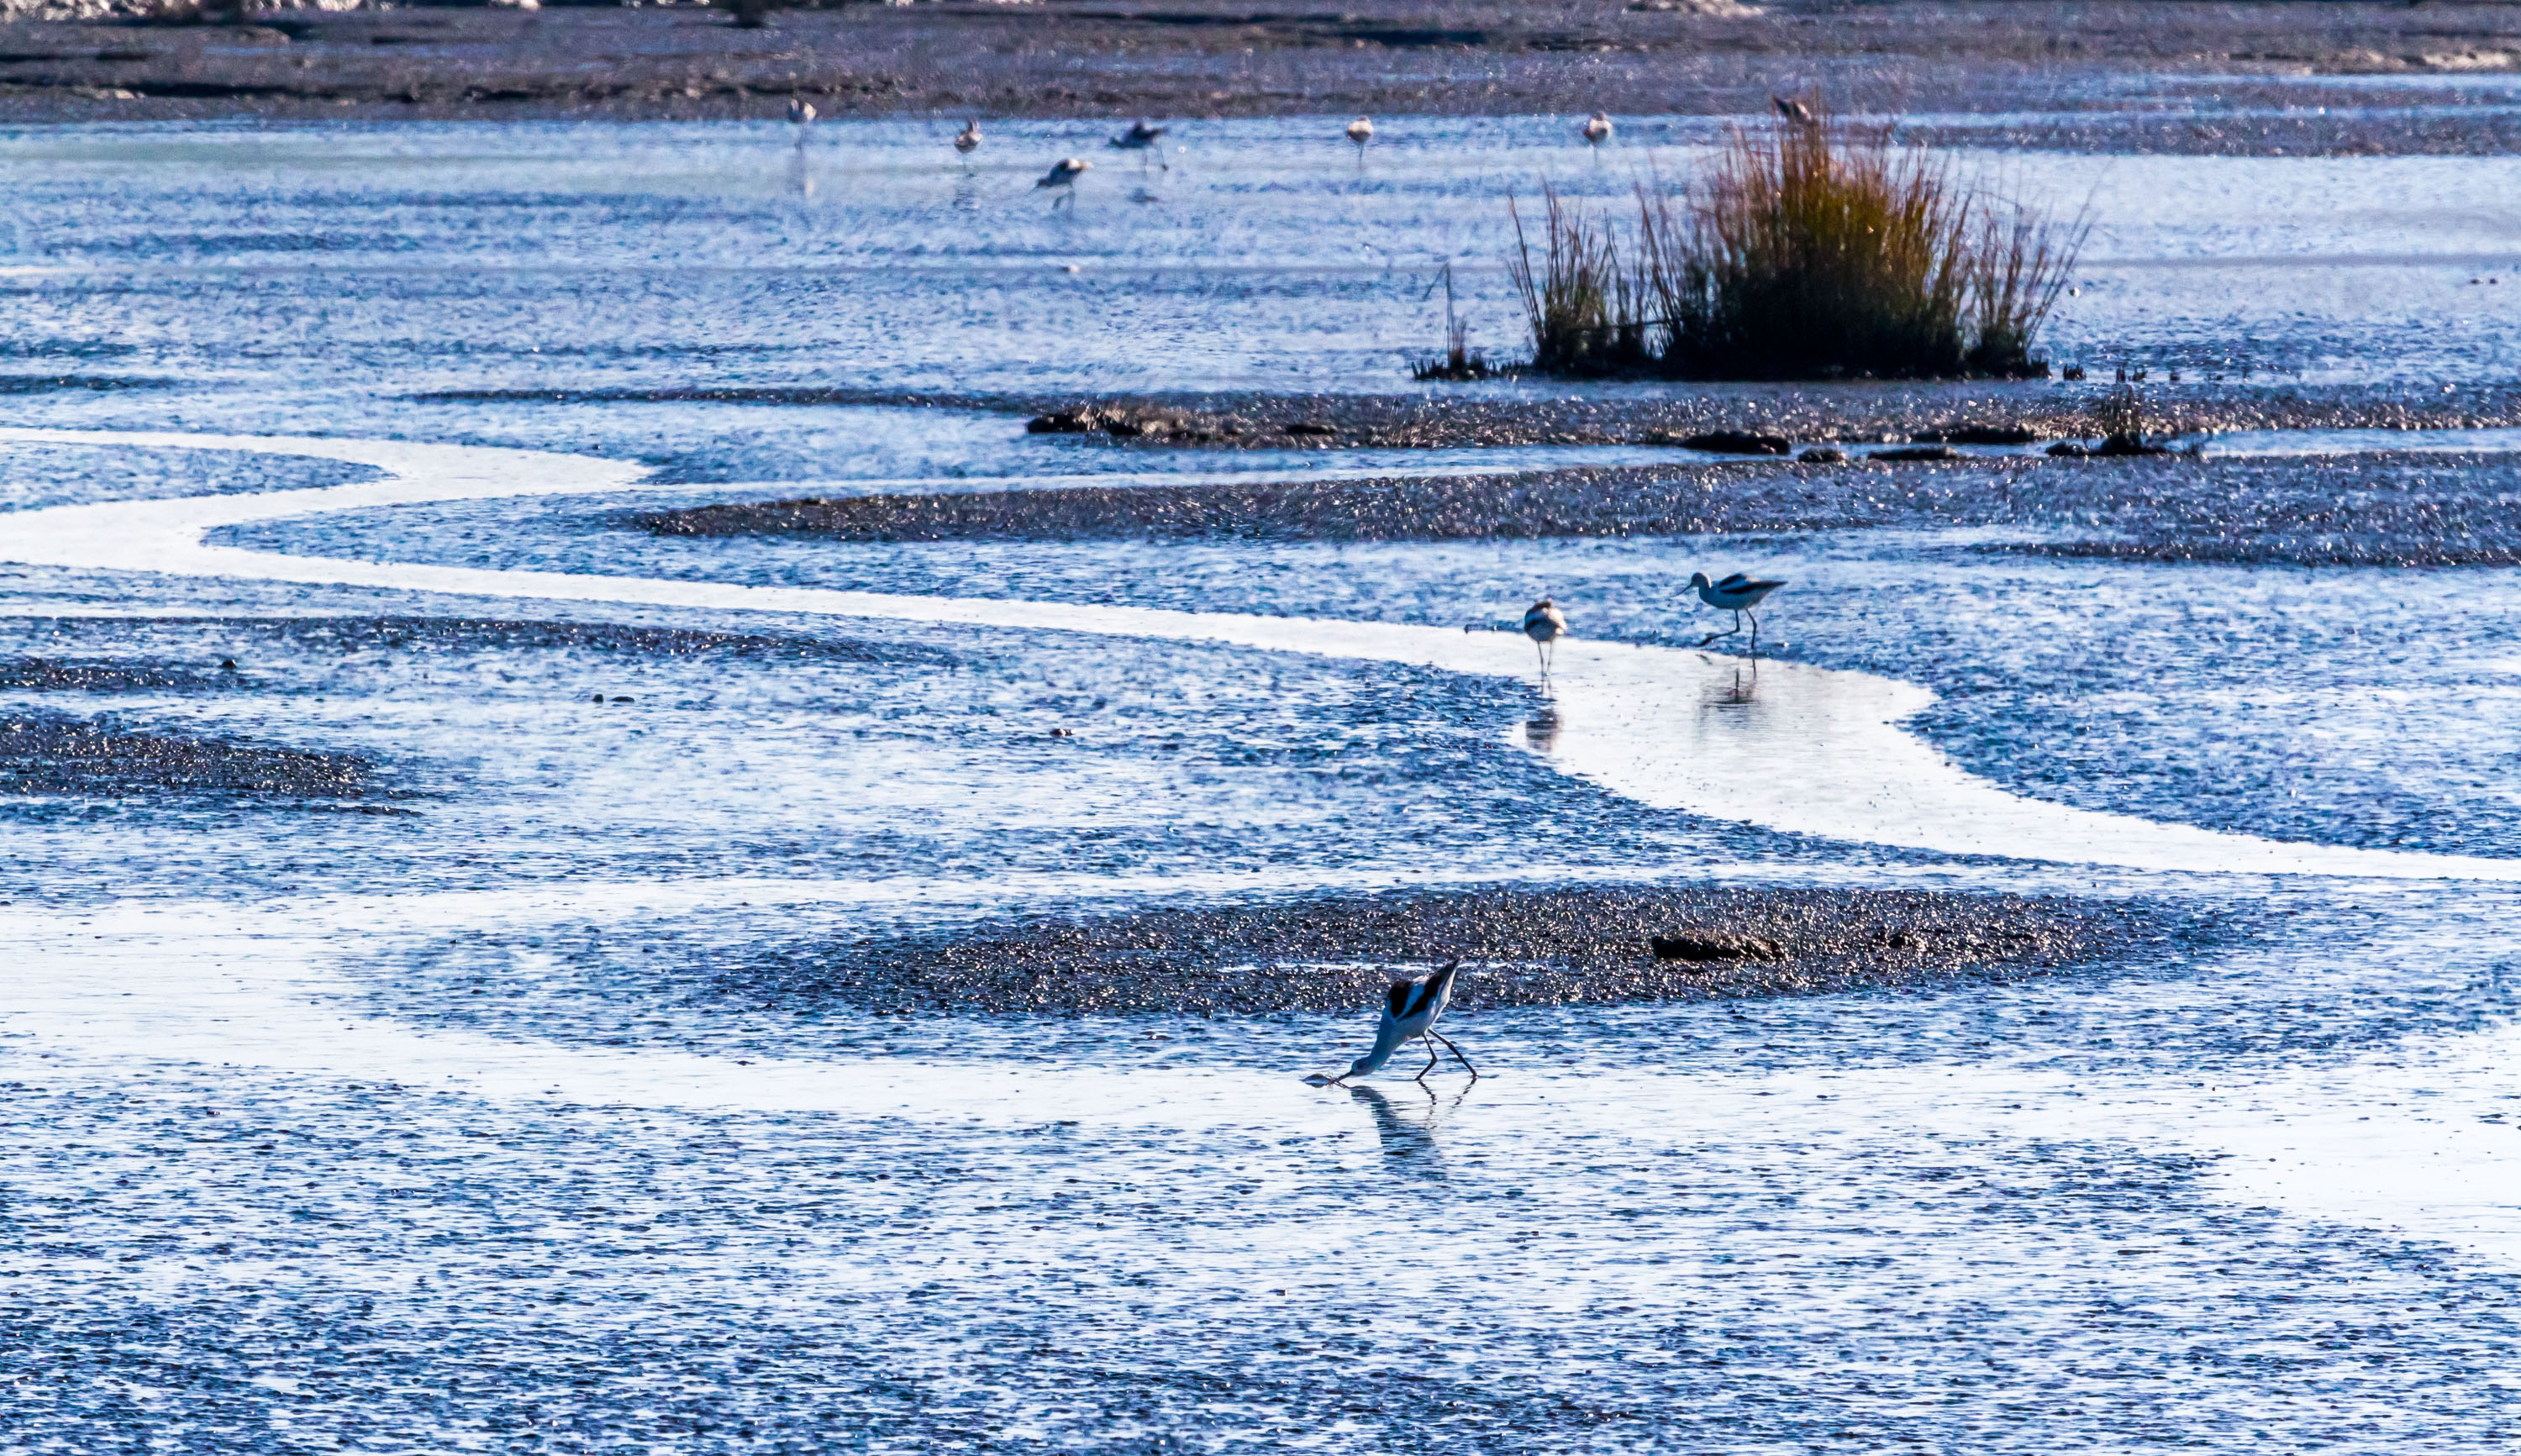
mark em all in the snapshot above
pixel 1812 251
pixel 1459 361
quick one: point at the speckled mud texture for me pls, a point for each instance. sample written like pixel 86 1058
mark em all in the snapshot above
pixel 1851 413
pixel 52 755
pixel 1201 58
pixel 1575 947
pixel 2374 510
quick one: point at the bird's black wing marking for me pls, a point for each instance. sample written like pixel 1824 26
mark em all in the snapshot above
pixel 1430 987
pixel 1734 580
pixel 1399 999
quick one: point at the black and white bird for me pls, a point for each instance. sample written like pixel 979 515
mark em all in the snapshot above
pixel 1362 132
pixel 1792 111
pixel 1597 128
pixel 801 115
pixel 1410 1010
pixel 968 140
pixel 1736 594
pixel 1142 139
pixel 1545 624
pixel 1064 175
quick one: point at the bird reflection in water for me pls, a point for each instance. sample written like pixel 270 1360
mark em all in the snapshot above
pixel 1406 1127
pixel 1540 731
pixel 801 175
pixel 1744 687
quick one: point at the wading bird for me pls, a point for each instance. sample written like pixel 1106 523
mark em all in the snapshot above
pixel 1597 128
pixel 1362 132
pixel 1545 624
pixel 1141 138
pixel 1409 1010
pixel 1736 594
pixel 1064 175
pixel 968 141
pixel 801 115
pixel 1792 111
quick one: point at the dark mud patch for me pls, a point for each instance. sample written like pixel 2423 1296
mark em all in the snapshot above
pixel 2092 76
pixel 1569 947
pixel 2405 510
pixel 50 754
pixel 1895 414
pixel 84 675
pixel 344 635
pixel 1849 414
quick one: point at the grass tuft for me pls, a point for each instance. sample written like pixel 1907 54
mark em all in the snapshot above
pixel 1816 249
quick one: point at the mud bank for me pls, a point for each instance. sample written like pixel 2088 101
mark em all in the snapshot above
pixel 1213 58
pixel 1576 947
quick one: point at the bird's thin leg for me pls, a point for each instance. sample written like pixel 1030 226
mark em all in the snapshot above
pixel 1712 636
pixel 1457 1054
pixel 1421 1078
pixel 1755 638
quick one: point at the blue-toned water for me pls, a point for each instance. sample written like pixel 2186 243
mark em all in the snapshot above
pixel 425 1120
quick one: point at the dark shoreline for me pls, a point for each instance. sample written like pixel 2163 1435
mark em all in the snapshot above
pixel 1662 415
pixel 1557 948
pixel 2354 511
pixel 2267 78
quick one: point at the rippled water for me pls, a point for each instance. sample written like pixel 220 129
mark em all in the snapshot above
pixel 433 1127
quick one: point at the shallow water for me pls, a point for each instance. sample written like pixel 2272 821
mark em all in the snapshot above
pixel 439 1127
pixel 406 260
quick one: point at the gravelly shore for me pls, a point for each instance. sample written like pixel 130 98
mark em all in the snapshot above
pixel 1848 413
pixel 50 754
pixel 2404 510
pixel 1564 947
pixel 2049 74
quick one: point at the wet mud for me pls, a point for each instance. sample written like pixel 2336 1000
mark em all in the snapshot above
pixel 2399 511
pixel 55 754
pixel 1213 58
pixel 1572 947
pixel 348 634
pixel 1851 413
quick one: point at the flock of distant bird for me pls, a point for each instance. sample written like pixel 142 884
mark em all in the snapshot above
pixel 1141 137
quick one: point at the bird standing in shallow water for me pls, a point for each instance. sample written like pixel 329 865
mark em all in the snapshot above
pixel 967 141
pixel 1792 111
pixel 1362 132
pixel 1140 137
pixel 1597 128
pixel 1064 175
pixel 801 115
pixel 1409 1010
pixel 1545 624
pixel 1736 594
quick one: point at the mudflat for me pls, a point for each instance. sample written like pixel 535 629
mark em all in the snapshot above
pixel 2052 74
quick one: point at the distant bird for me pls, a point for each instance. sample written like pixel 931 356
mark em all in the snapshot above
pixel 968 140
pixel 1736 594
pixel 1545 624
pixel 1597 128
pixel 801 115
pixel 1362 132
pixel 1792 111
pixel 1141 138
pixel 1409 1010
pixel 1064 175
